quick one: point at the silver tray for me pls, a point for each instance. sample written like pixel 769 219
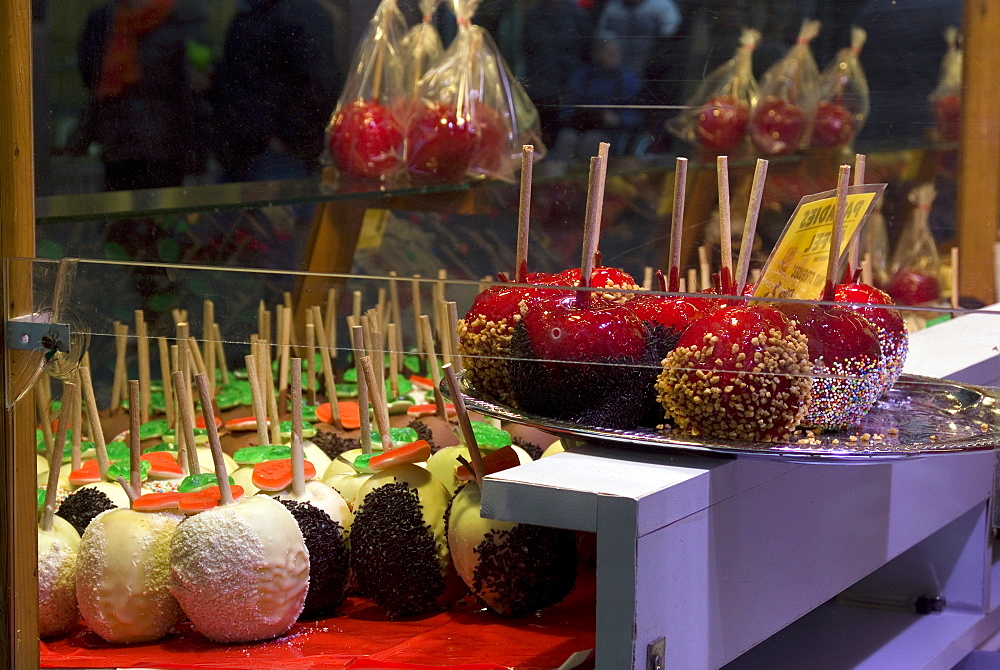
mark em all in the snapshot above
pixel 920 416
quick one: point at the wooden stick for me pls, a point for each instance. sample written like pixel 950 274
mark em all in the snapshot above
pixel 677 223
pixel 396 341
pixel 833 266
pixel 180 365
pixel 377 353
pixel 185 405
pixel 226 493
pixel 428 338
pixel 443 336
pixel 284 326
pixel 55 457
pixel 134 421
pixel 267 386
pixel 77 422
pixel 121 376
pixel 330 325
pixel 416 300
pixel 199 362
pixel 725 223
pixel 42 407
pixel 705 280
pixel 129 492
pixel 168 390
pixel 647 278
pixel 96 432
pixel 381 411
pixel 328 378
pixel 358 344
pixel 208 337
pixel 867 272
pixel 453 335
pixel 438 301
pixel 142 345
pixel 261 331
pixel 311 357
pixel 592 224
pixel 356 307
pixel 220 352
pixel 954 278
pixel 393 361
pixel 478 468
pixel 855 248
pixel 692 280
pixel 298 457
pixel 750 226
pixel 257 398
pixel 523 214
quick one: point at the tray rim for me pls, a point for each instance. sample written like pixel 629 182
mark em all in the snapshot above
pixel 649 439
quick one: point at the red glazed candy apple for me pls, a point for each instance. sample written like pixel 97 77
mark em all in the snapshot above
pixel 777 126
pixel 847 364
pixel 365 140
pixel 876 306
pixel 947 115
pixel 910 287
pixel 440 144
pixel 741 373
pixel 580 360
pixel 834 125
pixel 484 337
pixel 721 123
pixel 603 278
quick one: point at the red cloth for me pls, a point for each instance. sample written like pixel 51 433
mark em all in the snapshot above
pixel 120 66
pixel 363 639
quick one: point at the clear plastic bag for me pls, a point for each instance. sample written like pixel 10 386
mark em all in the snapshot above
pixel 365 133
pixel 422 47
pixel 844 102
pixel 717 114
pixel 783 117
pixel 947 97
pixel 472 116
pixel 874 246
pixel 915 263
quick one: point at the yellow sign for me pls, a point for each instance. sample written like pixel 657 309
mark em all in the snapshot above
pixel 373 228
pixel 797 266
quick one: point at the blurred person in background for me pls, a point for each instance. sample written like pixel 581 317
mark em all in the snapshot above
pixel 144 64
pixel 275 88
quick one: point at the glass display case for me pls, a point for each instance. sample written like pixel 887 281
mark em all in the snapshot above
pixel 740 522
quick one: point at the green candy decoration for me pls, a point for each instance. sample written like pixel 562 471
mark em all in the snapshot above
pixel 41 499
pixel 262 453
pixel 399 436
pixel 285 427
pixel 489 437
pixel 123 468
pixel 361 462
pixel 118 451
pixel 164 446
pixel 200 436
pixel 200 482
pixel 154 428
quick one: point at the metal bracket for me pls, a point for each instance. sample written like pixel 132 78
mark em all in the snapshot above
pixel 656 654
pixel 34 332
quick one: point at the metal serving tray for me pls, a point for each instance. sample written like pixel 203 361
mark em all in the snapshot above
pixel 920 416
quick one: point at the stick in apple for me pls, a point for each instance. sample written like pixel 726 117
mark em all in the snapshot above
pixel 298 457
pixel 677 223
pixel 432 362
pixel 750 226
pixel 328 378
pixel 378 404
pixel 358 341
pixel 725 224
pixel 226 493
pixel 469 437
pixel 523 214
pixel 55 457
pixel 185 423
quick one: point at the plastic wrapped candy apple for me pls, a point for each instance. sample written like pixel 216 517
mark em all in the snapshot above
pixel 844 101
pixel 947 97
pixel 717 114
pixel 789 93
pixel 365 134
pixel 471 116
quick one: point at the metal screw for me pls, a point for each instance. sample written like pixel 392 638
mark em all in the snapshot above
pixel 656 662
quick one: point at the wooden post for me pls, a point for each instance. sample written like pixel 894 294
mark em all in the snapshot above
pixel 978 200
pixel 18 524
